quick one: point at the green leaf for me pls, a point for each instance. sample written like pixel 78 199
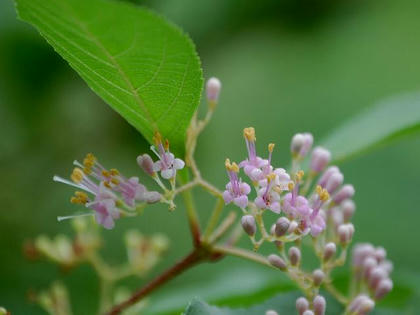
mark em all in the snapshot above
pixel 144 67
pixel 388 120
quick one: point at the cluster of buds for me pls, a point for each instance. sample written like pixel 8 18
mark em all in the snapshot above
pixel 289 194
pixel 109 194
pixel 144 252
pixel 317 307
pixel 371 272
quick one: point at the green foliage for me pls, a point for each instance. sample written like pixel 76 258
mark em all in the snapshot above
pixel 388 120
pixel 141 65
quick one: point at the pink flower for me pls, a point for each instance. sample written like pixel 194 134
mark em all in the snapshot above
pixel 167 164
pixel 267 197
pixel 236 191
pixel 254 164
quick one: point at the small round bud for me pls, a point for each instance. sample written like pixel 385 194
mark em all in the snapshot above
pixel 308 312
pixel 376 276
pixel 146 163
pixel 152 196
pixel 327 174
pixel 368 264
pixel 297 143
pixel 361 305
pixel 213 87
pixel 387 266
pixel 345 233
pixel 348 208
pixel 320 159
pixel 271 312
pixel 319 305
pixel 277 262
pixel 248 224
pixel 346 192
pixel 3 311
pixel 302 305
pixel 294 256
pixel 334 182
pixel 380 254
pixel 281 227
pixel 360 252
pixel 329 251
pixel 366 306
pixel 292 227
pixel 383 288
pixel 318 276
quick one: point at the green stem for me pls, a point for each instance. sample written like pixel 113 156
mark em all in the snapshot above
pixel 214 218
pixel 192 217
pixel 242 253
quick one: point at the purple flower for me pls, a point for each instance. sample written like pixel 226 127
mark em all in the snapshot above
pixel 267 197
pixel 254 164
pixel 236 191
pixel 296 206
pixel 167 164
pixel 317 224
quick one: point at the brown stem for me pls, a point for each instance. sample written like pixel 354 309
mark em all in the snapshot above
pixel 187 262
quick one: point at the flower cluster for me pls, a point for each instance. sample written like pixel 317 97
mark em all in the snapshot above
pixel 314 202
pixel 109 193
pixel 287 193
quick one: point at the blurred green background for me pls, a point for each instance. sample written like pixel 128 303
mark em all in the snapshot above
pixel 286 66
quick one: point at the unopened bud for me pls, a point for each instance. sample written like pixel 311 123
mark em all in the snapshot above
pixel 3 311
pixel 329 251
pixel 213 87
pixel 318 276
pixel 383 288
pixel 282 225
pixel 271 312
pixel 146 163
pixel 334 182
pixel 319 305
pixel 387 266
pixel 292 227
pixel 376 276
pixel 248 224
pixel 380 254
pixel 294 256
pixel 348 207
pixel 152 196
pixel 345 233
pixel 320 159
pixel 346 192
pixel 361 305
pixel 277 262
pixel 368 264
pixel 301 144
pixel 302 305
pixel 327 174
pixel 308 312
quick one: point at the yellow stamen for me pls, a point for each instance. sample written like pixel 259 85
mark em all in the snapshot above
pixel 271 177
pixel 77 175
pixel 249 133
pixel 291 185
pixel 157 138
pixel 233 167
pixel 299 175
pixel 89 160
pixel 322 193
pixel 166 146
pixel 271 147
pixel 87 170
pixel 79 198
pixel 114 172
pixel 227 164
pixel 107 185
pixel 115 181
pixel 106 173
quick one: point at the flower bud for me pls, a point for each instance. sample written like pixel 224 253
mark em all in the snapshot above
pixel 346 192
pixel 334 182
pixel 329 251
pixel 271 312
pixel 376 276
pixel 345 233
pixel 308 312
pixel 318 276
pixel 292 227
pixel 301 144
pixel 348 208
pixel 368 264
pixel 383 288
pixel 277 262
pixel 152 196
pixel 380 254
pixel 282 225
pixel 361 305
pixel 213 87
pixel 248 224
pixel 3 311
pixel 302 305
pixel 319 305
pixel 327 174
pixel 360 252
pixel 294 256
pixel 387 266
pixel 146 163
pixel 320 159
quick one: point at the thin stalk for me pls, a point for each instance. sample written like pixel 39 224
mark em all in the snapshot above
pixel 214 217
pixel 192 217
pixel 242 253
